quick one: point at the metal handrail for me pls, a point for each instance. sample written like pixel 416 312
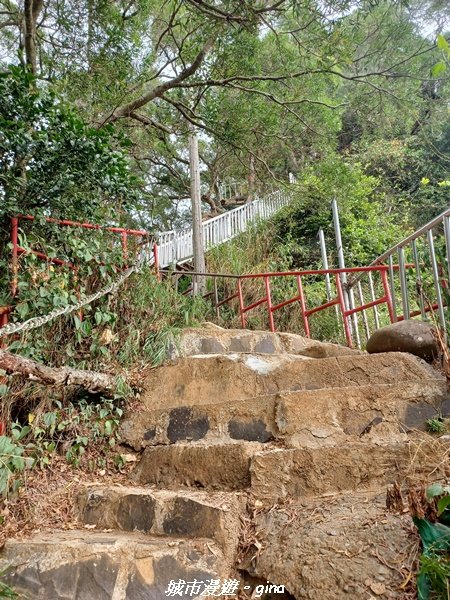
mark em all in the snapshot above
pixel 424 229
pixel 300 297
pixel 176 246
pixel 397 252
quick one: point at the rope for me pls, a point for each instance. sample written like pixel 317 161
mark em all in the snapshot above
pixel 66 310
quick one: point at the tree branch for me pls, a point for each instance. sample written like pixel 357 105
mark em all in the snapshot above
pixel 147 121
pixel 156 92
pixel 92 381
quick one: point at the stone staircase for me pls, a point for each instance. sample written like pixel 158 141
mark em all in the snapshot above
pixel 263 458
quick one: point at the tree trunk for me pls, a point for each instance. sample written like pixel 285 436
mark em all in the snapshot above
pixel 32 9
pixel 91 381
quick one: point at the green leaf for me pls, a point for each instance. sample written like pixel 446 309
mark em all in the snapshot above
pixel 423 587
pixel 23 432
pixel 442 43
pixel 436 489
pixel 442 504
pixel 438 69
pixel 435 536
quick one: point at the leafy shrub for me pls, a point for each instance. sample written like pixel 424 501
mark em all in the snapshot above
pixel 12 465
pixel 434 574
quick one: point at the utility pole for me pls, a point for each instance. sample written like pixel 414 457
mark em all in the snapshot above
pixel 197 233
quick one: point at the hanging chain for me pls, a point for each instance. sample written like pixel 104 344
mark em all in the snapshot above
pixel 66 310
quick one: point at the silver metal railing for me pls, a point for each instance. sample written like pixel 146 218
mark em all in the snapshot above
pixel 419 276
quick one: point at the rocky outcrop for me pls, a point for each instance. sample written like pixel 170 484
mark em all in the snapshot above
pixel 415 337
pixel 282 443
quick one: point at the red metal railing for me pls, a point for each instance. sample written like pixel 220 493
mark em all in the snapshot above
pixel 300 297
pixel 18 250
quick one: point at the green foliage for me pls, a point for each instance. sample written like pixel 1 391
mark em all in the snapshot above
pixel 6 591
pixel 434 574
pixel 12 465
pixel 436 425
pixel 52 163
pixel 50 159
pixel 289 242
pixel 83 430
pixel 366 228
pixel 412 173
pixel 136 325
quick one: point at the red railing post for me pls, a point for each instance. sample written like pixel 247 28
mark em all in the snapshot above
pixel 241 303
pixel 303 306
pixel 340 293
pixel 269 305
pixel 387 293
pixel 4 312
pixel 15 254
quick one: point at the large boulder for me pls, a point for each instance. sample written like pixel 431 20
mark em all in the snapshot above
pixel 415 337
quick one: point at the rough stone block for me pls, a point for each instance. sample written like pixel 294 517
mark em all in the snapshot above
pixel 196 381
pixel 192 514
pixel 223 466
pixel 95 566
pixel 248 420
pixel 304 472
pixel 411 336
pixel 332 548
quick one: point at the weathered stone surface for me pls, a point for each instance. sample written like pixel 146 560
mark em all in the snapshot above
pixel 250 430
pixel 266 345
pixel 94 566
pixel 211 345
pixel 223 466
pixel 250 420
pixel 373 413
pixel 303 472
pixel 332 548
pixel 114 508
pixel 241 343
pixel 183 425
pixel 192 514
pixel 229 378
pixel 306 418
pixel 296 344
pixel 216 340
pixel 415 337
pixel 287 420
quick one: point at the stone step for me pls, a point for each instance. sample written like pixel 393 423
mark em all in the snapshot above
pixel 212 339
pixel 333 548
pixel 303 418
pixel 234 377
pixel 304 472
pixel 274 472
pixel 210 465
pixel 191 514
pixel 85 565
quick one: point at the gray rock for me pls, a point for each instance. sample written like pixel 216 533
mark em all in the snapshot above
pixel 414 337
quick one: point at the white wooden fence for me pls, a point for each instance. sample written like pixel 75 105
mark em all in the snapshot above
pixel 175 247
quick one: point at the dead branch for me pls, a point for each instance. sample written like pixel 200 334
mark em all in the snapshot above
pixel 92 381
